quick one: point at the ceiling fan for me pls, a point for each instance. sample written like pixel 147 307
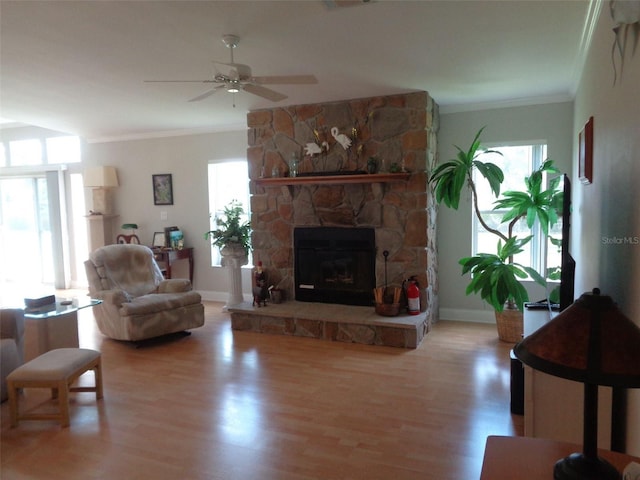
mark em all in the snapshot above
pixel 234 77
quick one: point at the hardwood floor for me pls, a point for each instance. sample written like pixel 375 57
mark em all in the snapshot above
pixel 237 405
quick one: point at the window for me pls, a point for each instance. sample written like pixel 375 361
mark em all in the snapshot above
pixel 40 151
pixel 517 162
pixel 63 150
pixel 25 152
pixel 227 181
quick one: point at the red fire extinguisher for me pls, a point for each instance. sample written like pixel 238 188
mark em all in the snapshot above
pixel 413 298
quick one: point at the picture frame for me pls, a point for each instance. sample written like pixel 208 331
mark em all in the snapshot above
pixel 585 153
pixel 159 240
pixel 162 189
pixel 176 239
pixel 167 235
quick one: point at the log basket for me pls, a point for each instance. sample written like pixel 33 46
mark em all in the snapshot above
pixel 387 301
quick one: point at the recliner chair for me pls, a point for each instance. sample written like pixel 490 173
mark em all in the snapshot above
pixel 137 302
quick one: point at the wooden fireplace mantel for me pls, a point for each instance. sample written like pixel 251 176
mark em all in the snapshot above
pixel 333 179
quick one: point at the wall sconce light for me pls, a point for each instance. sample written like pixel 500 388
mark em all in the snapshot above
pixel 590 342
pixel 102 180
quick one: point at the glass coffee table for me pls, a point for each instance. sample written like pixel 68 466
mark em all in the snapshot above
pixel 53 326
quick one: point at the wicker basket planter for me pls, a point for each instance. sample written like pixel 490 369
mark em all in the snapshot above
pixel 510 325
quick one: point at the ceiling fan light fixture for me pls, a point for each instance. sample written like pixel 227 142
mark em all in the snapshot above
pixel 233 89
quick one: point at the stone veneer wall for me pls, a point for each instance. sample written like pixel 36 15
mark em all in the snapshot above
pixel 399 128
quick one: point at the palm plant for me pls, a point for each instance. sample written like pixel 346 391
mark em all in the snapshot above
pixel 495 276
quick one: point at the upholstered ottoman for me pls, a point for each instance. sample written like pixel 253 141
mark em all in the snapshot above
pixel 57 370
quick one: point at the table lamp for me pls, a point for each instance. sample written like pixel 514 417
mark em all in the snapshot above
pixel 590 342
pixel 102 180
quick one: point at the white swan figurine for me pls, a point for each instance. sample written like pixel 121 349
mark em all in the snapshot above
pixel 314 148
pixel 341 138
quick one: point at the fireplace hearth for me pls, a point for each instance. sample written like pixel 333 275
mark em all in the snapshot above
pixel 334 265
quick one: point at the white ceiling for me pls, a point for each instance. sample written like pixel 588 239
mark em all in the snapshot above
pixel 79 67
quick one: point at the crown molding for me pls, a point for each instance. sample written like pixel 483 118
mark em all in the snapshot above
pixel 167 134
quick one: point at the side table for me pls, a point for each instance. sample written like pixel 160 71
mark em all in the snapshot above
pixel 169 256
pixel 53 326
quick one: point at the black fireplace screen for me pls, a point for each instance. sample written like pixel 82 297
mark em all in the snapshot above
pixel 334 265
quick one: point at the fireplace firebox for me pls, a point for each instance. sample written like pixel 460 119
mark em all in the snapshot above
pixel 334 265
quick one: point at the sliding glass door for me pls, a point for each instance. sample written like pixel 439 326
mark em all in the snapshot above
pixel 26 252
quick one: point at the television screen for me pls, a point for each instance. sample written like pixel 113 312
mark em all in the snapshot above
pixel 562 295
pixel 568 264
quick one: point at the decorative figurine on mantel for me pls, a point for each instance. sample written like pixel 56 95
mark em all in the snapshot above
pixel 341 138
pixel 260 291
pixel 313 148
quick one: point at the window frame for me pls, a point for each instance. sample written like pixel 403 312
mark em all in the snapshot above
pixel 214 208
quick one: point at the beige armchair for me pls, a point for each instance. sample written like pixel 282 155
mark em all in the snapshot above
pixel 11 344
pixel 137 302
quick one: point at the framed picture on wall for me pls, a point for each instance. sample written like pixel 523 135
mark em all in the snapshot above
pixel 585 153
pixel 162 189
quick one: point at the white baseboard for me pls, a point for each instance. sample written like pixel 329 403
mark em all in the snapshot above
pixel 213 296
pixel 460 315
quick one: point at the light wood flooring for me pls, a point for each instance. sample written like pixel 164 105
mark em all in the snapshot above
pixel 238 405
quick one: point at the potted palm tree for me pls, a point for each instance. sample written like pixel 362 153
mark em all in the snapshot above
pixel 495 276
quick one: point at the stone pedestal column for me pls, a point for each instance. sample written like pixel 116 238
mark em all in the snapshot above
pixel 234 257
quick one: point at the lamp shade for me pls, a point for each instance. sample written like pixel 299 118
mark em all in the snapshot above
pixel 100 177
pixel 591 342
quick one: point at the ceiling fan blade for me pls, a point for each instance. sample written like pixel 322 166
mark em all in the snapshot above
pixel 179 81
pixel 263 92
pixel 206 94
pixel 286 80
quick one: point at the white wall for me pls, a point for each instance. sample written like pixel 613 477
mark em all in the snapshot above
pixel 609 208
pixel 550 122
pixel 186 158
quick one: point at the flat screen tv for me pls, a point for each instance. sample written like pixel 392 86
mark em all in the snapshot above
pixel 568 264
pixel 563 295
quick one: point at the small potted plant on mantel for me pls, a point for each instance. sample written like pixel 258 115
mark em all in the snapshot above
pixel 495 276
pixel 233 238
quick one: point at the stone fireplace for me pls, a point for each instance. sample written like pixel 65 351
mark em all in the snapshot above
pixel 398 208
